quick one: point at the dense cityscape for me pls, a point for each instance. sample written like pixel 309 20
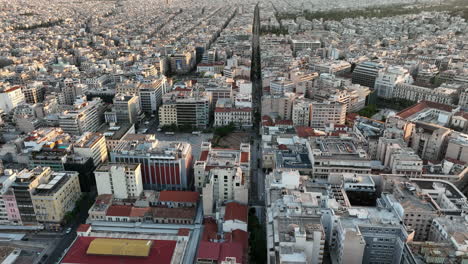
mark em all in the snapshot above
pixel 233 132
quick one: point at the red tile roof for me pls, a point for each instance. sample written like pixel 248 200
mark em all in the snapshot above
pixel 209 250
pixel 119 210
pixel 230 250
pixel 183 232
pixel 305 131
pixel 267 121
pixel 11 89
pixel 421 106
pixel 204 155
pixel 104 199
pixel 210 230
pixel 236 211
pixel 282 147
pixel 179 196
pixel 455 161
pixel 284 122
pixel 241 237
pixel 161 252
pixel 139 212
pixel 83 228
pixel 174 213
pixel 244 157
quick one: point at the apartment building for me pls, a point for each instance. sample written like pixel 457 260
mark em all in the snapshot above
pixel 123 181
pixel 10 97
pixel 234 112
pixel 92 145
pixel 189 109
pixel 165 165
pixel 388 78
pixel 417 93
pixel 126 108
pixel 342 154
pixel 56 196
pixel 398 158
pixel 278 106
pixel 224 184
pixel 23 189
pixel 9 213
pixel 70 90
pixel 282 85
pixel 457 147
pixel 212 158
pixel 85 117
pixel 301 112
pixel 150 94
pixel 366 73
pixel 294 230
pixel 418 209
pixel 325 113
pixel 33 92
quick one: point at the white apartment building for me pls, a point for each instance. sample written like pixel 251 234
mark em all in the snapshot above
pixel 387 80
pixel 298 45
pixel 151 93
pixel 86 117
pixel 301 112
pixel 121 180
pixel 417 93
pixel 211 158
pixel 224 185
pixel 11 97
pixel 282 85
pixel 326 112
pixel 92 145
pixel 295 233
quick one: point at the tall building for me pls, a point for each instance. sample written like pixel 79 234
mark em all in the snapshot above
pixel 86 117
pixel 92 145
pixel 33 93
pixel 127 108
pixel 10 97
pixel 327 112
pixel 23 188
pixel 183 61
pixel 121 180
pixel 278 106
pixel 9 213
pixel 224 184
pixel 211 158
pixel 54 197
pixel 366 73
pixel 72 88
pixel 189 109
pixel 388 78
pixel 151 93
pixel 281 86
pixel 165 165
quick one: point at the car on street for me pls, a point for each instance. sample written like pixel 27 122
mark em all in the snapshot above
pixel 68 230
